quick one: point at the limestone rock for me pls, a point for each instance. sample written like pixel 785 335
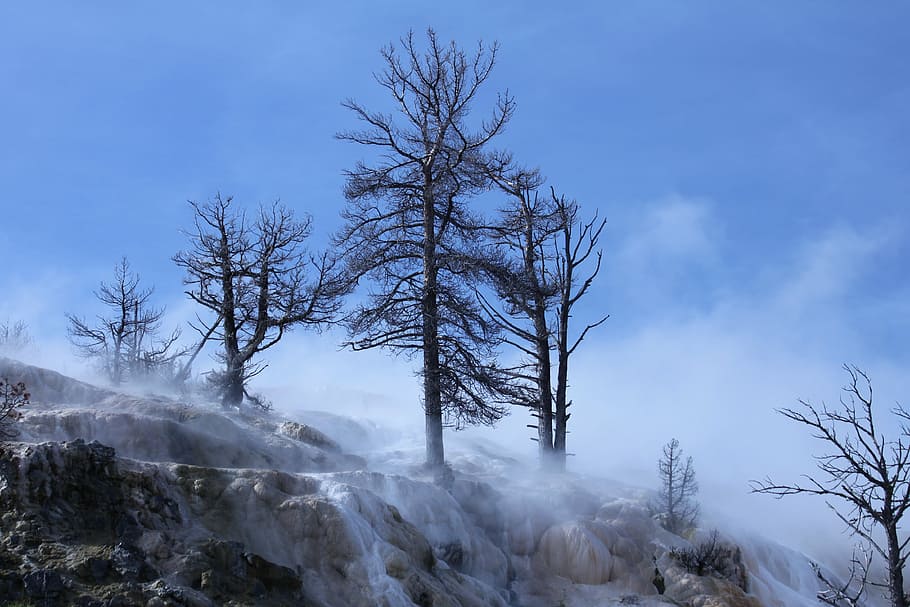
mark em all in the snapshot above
pixel 309 435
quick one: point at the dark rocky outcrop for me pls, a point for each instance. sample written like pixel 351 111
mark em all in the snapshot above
pixel 82 527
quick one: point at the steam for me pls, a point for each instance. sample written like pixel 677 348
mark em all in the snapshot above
pixel 710 376
pixel 708 370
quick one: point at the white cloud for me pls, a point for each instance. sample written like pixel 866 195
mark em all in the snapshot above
pixel 670 235
pixel 658 250
pixel 829 266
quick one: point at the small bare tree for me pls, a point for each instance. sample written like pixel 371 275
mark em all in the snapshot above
pixel 676 508
pixel 14 337
pixel 866 473
pixel 126 342
pixel 12 397
pixel 258 280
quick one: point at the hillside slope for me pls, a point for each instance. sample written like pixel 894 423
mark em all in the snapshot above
pixel 117 499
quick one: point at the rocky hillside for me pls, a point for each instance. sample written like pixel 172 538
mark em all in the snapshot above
pixel 115 499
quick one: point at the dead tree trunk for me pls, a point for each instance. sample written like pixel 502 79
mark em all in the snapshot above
pixel 432 394
pixel 895 565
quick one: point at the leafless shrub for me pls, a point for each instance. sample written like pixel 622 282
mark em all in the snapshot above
pixel 13 396
pixel 713 558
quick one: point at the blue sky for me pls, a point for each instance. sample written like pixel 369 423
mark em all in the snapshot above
pixel 752 160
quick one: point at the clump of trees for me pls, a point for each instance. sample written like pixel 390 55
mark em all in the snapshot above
pixel 675 507
pixel 432 259
pixel 863 475
pixel 13 396
pixel 126 342
pixel 257 281
pixel 445 283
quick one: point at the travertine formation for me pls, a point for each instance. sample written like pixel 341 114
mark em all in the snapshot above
pixel 112 499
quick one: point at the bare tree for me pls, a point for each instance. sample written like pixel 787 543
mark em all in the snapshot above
pixel 519 264
pixel 126 342
pixel 258 280
pixel 576 243
pixel 12 397
pixel 408 228
pixel 676 508
pixel 539 247
pixel 866 473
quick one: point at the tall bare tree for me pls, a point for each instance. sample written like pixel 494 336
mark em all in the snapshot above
pixel 519 263
pixel 676 507
pixel 127 341
pixel 865 472
pixel 541 247
pixel 257 279
pixel 408 227
pixel 576 243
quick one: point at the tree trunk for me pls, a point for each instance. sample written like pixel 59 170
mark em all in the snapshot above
pixel 544 385
pixel 895 568
pixel 432 400
pixel 541 336
pixel 233 386
pixel 562 344
pixel 116 362
pixel 559 439
pixel 671 524
pixel 233 373
pixel 431 389
pixel 562 386
pixel 135 341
